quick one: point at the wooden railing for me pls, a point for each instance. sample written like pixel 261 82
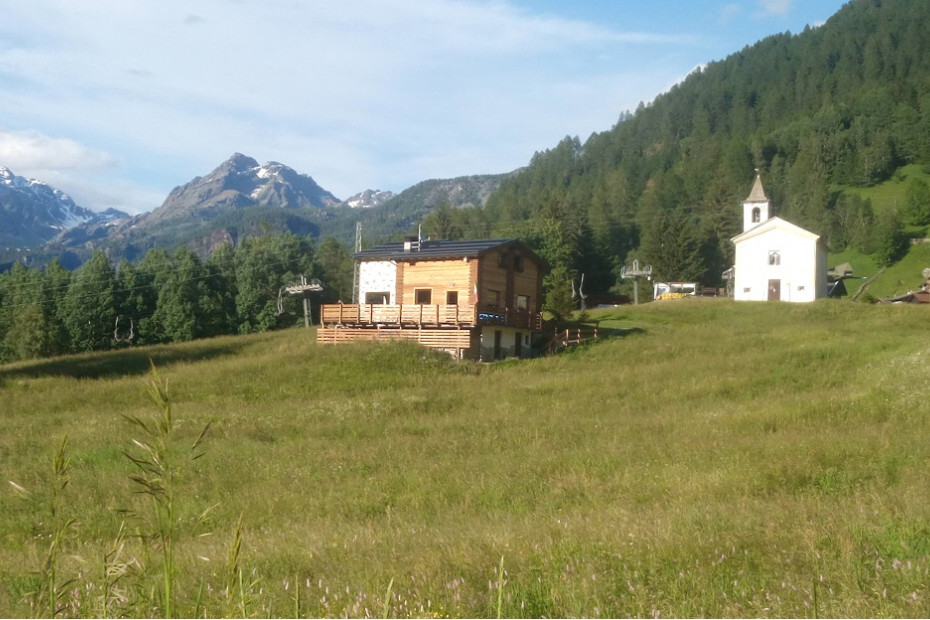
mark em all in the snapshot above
pixel 573 335
pixel 399 314
pixel 428 314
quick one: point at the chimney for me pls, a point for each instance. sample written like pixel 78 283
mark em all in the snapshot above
pixel 411 244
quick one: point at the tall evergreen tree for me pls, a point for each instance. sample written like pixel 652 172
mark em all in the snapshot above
pixel 265 265
pixel 143 285
pixel 183 299
pixel 336 268
pixel 221 267
pixel 55 282
pixel 89 307
pixel 26 334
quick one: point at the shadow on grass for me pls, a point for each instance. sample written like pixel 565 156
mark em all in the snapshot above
pixel 131 361
pixel 618 332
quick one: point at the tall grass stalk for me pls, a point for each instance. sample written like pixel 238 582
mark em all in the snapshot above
pixel 234 569
pixel 387 600
pixel 158 474
pixel 50 592
pixel 115 569
pixel 500 588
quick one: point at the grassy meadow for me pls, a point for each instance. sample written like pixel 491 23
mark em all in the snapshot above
pixel 704 458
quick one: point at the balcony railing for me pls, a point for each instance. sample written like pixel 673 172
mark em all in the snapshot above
pixel 428 314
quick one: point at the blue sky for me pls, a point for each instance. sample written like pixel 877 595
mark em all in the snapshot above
pixel 118 101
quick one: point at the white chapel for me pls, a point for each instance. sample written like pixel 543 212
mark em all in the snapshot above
pixel 776 260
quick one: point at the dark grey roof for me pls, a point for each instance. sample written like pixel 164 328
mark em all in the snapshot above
pixel 439 249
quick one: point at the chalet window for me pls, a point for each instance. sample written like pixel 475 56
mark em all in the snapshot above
pixel 774 257
pixel 756 215
pixel 503 259
pixel 377 298
pixel 452 298
pixel 518 263
pixel 494 298
pixel 523 302
pixel 423 296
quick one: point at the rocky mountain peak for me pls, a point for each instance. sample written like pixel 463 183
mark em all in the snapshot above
pixel 32 212
pixel 239 183
pixel 239 163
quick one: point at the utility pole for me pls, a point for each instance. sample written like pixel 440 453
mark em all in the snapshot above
pixel 635 273
pixel 356 267
pixel 305 288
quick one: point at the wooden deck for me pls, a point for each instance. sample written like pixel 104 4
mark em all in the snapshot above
pixel 420 315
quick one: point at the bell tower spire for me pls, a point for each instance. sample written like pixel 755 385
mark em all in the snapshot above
pixel 756 207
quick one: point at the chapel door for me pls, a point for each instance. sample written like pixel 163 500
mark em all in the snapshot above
pixel 774 290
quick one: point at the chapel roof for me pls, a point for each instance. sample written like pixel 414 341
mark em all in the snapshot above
pixel 758 193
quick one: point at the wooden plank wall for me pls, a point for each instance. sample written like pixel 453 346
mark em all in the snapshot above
pixel 440 276
pixel 493 278
pixel 526 282
pixel 433 338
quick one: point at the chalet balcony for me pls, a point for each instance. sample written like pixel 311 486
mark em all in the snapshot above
pixel 427 315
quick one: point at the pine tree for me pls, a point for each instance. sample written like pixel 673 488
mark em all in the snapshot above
pixel 178 309
pixel 26 334
pixel 89 306
pixel 336 267
pixel 264 266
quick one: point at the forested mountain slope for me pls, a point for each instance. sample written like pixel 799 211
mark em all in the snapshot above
pixel 843 104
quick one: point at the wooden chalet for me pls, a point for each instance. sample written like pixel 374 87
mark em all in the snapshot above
pixel 476 299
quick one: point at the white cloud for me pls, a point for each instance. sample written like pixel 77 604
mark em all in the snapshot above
pixel 77 170
pixel 32 150
pixel 729 12
pixel 776 7
pixel 365 93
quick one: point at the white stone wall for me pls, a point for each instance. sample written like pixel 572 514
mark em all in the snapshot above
pixel 375 277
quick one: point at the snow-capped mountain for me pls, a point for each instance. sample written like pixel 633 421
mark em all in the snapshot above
pixel 241 182
pixel 239 198
pixel 32 212
pixel 368 199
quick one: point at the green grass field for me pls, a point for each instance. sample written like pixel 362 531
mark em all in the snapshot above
pixel 705 458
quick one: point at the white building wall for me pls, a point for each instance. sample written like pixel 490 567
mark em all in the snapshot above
pixel 799 266
pixel 376 277
pixel 508 347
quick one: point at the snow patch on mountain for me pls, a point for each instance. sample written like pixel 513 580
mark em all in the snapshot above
pixel 32 212
pixel 60 211
pixel 368 199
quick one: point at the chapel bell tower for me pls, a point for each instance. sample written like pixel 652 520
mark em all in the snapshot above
pixel 756 208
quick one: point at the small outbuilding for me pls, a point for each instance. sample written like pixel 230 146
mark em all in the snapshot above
pixel 776 260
